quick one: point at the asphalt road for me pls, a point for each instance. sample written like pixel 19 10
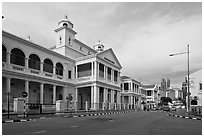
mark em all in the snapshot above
pixel 131 123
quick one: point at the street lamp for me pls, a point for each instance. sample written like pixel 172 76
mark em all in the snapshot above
pixel 188 93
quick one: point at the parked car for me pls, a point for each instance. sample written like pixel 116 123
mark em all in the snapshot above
pixel 165 108
pixel 173 108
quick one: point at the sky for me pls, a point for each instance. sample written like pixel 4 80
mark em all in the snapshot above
pixel 142 35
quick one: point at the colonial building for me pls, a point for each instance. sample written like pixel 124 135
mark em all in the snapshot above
pixel 91 76
pixel 151 94
pixel 131 93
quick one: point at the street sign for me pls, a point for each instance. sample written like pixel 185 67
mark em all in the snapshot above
pixel 24 94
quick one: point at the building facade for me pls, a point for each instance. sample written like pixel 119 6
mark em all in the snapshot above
pixel 70 68
pixel 131 93
pixel 196 88
pixel 151 94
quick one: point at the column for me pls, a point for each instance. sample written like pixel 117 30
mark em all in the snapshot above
pixel 129 84
pixel 26 62
pixel 8 88
pixel 131 89
pixel 27 90
pixel 105 95
pixel 8 57
pixel 92 97
pixel 76 72
pixel 112 74
pixel 41 92
pixel 95 69
pixel 65 91
pixel 8 84
pixel 112 98
pixel 98 69
pixel 104 72
pixel 92 69
pixel 54 94
pixel 41 66
pixel 76 98
pixel 96 97
pixel 54 70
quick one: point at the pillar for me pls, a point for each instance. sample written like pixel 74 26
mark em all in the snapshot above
pixel 104 72
pixel 41 92
pixel 8 89
pixel 105 95
pixel 65 93
pixel 8 57
pixel 92 69
pixel 54 69
pixel 54 94
pixel 27 90
pixel 95 69
pixel 96 97
pixel 26 62
pixel 76 98
pixel 41 66
pixel 76 72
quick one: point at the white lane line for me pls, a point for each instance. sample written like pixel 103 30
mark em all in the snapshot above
pixel 74 126
pixel 39 132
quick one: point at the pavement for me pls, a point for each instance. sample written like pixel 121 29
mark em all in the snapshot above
pixel 181 113
pixel 13 117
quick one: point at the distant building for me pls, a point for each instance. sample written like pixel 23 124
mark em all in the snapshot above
pixel 151 94
pixel 165 84
pixel 131 92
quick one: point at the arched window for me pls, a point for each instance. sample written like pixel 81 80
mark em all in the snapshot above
pixel 4 53
pixel 48 66
pixel 65 24
pixel 34 62
pixel 17 57
pixel 59 69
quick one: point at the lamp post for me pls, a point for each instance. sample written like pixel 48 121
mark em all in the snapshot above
pixel 188 83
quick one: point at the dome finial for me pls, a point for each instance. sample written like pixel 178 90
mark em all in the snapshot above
pixel 66 17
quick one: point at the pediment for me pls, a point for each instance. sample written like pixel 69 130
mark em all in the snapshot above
pixel 109 56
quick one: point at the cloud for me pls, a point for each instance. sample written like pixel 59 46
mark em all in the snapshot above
pixel 142 35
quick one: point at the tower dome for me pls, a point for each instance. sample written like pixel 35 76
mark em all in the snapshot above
pixel 98 46
pixel 65 22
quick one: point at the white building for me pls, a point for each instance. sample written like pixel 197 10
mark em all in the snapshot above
pixel 70 68
pixel 196 87
pixel 131 93
pixel 151 94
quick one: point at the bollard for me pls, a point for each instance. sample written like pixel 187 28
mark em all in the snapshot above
pixel 86 105
pixel 109 106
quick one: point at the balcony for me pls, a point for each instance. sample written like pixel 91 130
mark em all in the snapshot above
pixel 32 72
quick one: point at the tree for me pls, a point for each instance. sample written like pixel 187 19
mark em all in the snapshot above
pixel 165 100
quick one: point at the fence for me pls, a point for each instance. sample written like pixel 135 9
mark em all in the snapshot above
pixel 196 110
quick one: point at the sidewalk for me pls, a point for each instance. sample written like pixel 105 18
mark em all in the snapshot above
pixel 19 118
pixel 183 114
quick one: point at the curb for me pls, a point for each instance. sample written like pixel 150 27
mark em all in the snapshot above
pixel 18 120
pixel 103 113
pixel 170 114
pixel 73 116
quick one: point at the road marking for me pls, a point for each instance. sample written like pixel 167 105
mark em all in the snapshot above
pixel 40 132
pixel 74 126
pixel 111 120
